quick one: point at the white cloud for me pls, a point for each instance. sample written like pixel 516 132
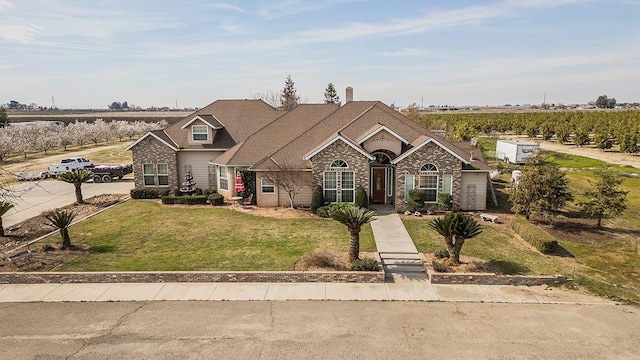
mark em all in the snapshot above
pixel 19 33
pixel 5 5
pixel 226 6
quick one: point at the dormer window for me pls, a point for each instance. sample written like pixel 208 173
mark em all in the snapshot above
pixel 199 133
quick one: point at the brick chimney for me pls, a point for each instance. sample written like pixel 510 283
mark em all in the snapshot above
pixel 349 96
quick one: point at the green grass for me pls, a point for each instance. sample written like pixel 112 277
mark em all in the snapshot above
pixel 500 247
pixel 112 156
pixel 144 235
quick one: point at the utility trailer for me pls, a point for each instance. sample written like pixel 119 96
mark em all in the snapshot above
pixel 515 152
pixel 106 173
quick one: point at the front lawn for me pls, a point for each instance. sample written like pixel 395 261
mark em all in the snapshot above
pixel 146 235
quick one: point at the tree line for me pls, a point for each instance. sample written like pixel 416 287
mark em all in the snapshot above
pixel 604 129
pixel 22 140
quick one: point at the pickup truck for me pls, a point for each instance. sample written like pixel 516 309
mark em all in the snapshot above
pixel 70 164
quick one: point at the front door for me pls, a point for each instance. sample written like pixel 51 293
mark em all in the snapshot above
pixel 378 185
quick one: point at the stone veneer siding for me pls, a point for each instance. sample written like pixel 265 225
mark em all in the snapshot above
pixel 152 151
pixel 429 154
pixel 191 276
pixel 356 161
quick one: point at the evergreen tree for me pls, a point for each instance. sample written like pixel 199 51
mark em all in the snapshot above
pixel 331 95
pixel 289 97
pixel 605 198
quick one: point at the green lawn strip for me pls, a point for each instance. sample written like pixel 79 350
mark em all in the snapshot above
pixel 146 236
pixel 112 156
pixel 502 248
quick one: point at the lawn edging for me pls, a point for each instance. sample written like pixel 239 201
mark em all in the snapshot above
pixel 489 278
pixel 191 276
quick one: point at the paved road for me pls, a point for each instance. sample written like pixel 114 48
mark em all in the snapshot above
pixel 36 197
pixel 317 330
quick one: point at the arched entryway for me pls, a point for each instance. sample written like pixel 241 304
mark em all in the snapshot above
pixel 382 177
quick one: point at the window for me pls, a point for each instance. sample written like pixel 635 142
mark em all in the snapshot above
pixel 148 175
pixel 151 178
pixel 447 184
pixel 330 187
pixel 428 181
pixel 389 181
pixel 200 133
pixel 163 174
pixel 224 178
pixel 267 186
pixel 408 185
pixel 339 185
pixel 347 188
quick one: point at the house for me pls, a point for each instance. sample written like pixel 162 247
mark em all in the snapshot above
pixel 362 143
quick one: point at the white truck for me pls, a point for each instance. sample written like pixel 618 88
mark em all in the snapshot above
pixel 514 151
pixel 70 164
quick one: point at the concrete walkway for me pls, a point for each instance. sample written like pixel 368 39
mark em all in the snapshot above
pixel 398 253
pixel 400 289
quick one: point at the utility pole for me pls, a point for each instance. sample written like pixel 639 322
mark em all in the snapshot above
pixel 53 103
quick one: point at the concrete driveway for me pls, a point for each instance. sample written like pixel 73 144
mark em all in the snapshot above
pixel 36 197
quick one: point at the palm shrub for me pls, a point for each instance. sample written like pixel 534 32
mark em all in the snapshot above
pixel 354 218
pixel 317 199
pixel 5 206
pixel 362 200
pixel 61 220
pixel 77 178
pixel 456 228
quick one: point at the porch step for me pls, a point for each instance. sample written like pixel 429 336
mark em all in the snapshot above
pixel 402 262
pixel 404 268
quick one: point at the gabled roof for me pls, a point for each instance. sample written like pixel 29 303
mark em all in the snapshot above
pixel 424 142
pixel 333 140
pixel 209 120
pixel 378 128
pixel 159 135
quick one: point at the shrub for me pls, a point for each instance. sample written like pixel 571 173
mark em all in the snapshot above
pixel 184 200
pixel 535 236
pixel 215 199
pixel 198 191
pixel 362 200
pixel 322 259
pixel 317 199
pixel 416 199
pixel 439 267
pixel 323 211
pixel 444 202
pixel 338 206
pixel 365 264
pixel 144 193
pixel 209 191
pixel 441 253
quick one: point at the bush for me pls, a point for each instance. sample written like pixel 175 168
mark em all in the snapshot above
pixel 317 199
pixel 144 193
pixel 215 199
pixel 416 199
pixel 439 267
pixel 198 192
pixel 209 191
pixel 444 202
pixel 365 264
pixel 323 211
pixel 535 236
pixel 362 200
pixel 322 259
pixel 338 206
pixel 184 200
pixel 441 253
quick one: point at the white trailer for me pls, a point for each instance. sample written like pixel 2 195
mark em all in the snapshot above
pixel 514 151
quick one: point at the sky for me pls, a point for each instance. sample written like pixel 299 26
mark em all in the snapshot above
pixel 89 53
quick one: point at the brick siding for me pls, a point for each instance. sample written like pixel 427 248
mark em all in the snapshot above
pixel 152 151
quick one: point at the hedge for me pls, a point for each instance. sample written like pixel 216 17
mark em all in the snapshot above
pixel 144 193
pixel 216 199
pixel 535 236
pixel 184 200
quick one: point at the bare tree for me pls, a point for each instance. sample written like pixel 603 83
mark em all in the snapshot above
pixel 271 97
pixel 288 178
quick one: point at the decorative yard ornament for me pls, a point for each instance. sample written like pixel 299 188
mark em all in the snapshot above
pixel 239 183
